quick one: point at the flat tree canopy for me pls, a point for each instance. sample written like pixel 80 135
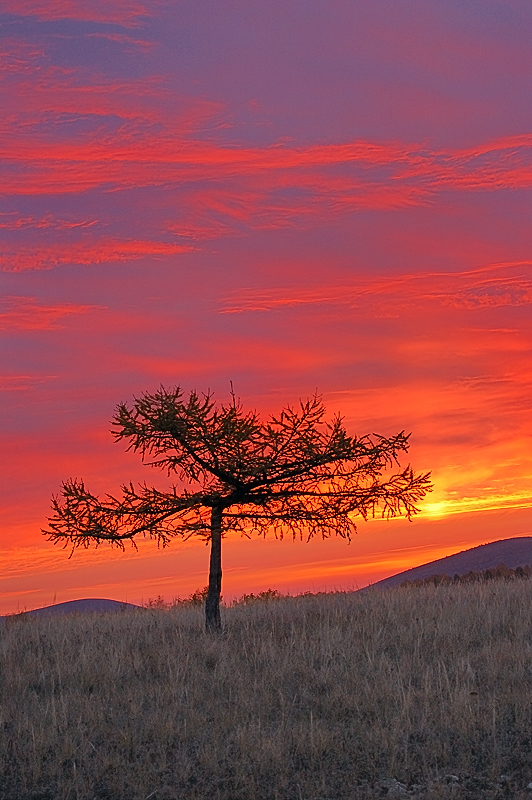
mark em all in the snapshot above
pixel 294 473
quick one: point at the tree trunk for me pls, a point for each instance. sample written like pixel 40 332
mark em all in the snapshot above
pixel 213 623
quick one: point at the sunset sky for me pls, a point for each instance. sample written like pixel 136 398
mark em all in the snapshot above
pixel 287 194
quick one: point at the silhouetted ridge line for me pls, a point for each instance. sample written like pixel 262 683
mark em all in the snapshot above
pixel 92 605
pixel 513 553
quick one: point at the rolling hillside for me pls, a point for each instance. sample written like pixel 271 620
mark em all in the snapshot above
pixel 516 552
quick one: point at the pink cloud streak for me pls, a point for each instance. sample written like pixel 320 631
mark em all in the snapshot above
pixel 493 286
pixel 86 252
pixel 13 221
pixel 122 12
pixel 26 314
pixel 259 174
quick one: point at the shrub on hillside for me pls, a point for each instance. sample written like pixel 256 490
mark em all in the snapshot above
pixel 501 572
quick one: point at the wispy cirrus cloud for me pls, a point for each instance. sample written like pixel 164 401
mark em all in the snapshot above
pixel 221 188
pixel 130 43
pixel 103 250
pixel 121 12
pixel 28 314
pixel 493 286
pixel 14 222
pixel 19 58
pixel 68 130
pixel 43 93
pixel 22 383
pixel 123 160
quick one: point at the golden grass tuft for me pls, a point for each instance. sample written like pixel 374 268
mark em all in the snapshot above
pixel 332 697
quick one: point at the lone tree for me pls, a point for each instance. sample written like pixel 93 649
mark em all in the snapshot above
pixel 294 473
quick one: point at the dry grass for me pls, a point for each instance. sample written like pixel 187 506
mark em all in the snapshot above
pixel 311 698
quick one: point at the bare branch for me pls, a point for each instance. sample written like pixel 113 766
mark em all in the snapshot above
pixel 294 473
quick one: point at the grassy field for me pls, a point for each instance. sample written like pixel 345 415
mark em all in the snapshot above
pixel 403 692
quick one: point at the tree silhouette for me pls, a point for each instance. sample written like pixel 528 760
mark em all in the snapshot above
pixel 294 473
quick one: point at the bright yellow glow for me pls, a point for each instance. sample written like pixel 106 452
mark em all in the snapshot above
pixel 438 509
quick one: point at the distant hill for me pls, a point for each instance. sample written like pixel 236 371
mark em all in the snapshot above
pixel 88 606
pixel 516 552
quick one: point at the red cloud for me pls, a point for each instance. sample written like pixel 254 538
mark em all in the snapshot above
pixel 25 313
pixel 128 41
pixel 90 252
pixel 13 221
pixel 122 12
pixel 327 179
pixel 487 287
pixel 144 136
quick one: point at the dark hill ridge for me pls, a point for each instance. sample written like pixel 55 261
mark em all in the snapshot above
pixel 516 552
pixel 92 605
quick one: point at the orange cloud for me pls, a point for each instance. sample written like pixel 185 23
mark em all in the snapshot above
pixel 472 433
pixel 445 364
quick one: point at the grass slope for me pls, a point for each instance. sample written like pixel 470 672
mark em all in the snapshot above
pixel 405 692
